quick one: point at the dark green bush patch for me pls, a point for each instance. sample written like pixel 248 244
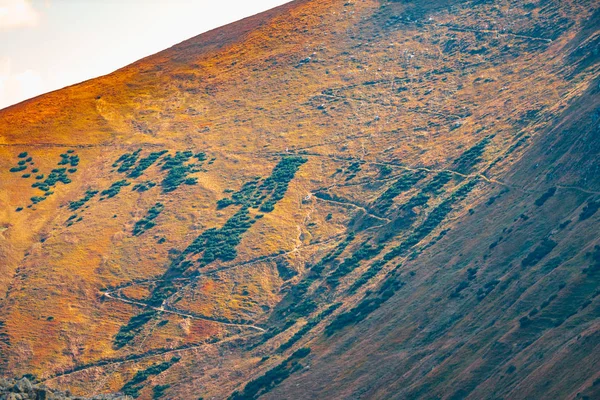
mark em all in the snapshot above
pixel 541 251
pixel 276 185
pixel 306 328
pixel 370 273
pixel 115 188
pixel 385 170
pixel 265 383
pixel 74 160
pixel 366 251
pixel 22 155
pixel 144 163
pixel 18 169
pixel 136 323
pixel 366 306
pixel 220 243
pixel 133 387
pixel 143 186
pixel 404 183
pixel 178 171
pixel 89 194
pixel 147 222
pixel 64 159
pixel 264 195
pixel 299 305
pixel 127 161
pixel 55 176
pixel 544 197
pixel 594 267
pixel 465 163
pixel 433 220
pixel 158 391
pixel 37 199
pixel 437 183
pixel 590 209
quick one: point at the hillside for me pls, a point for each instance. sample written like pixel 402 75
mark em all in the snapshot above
pixel 332 199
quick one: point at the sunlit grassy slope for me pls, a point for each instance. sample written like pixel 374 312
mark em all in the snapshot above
pixel 333 199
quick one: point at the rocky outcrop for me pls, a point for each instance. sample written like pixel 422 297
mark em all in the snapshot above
pixel 24 389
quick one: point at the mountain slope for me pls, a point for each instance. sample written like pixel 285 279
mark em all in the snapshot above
pixel 328 200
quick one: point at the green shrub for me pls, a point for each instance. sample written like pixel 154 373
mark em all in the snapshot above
pixel 220 243
pixel 437 183
pixel 18 169
pixel 55 176
pixel 366 251
pixel 144 186
pixel 127 332
pixel 89 194
pixel 276 185
pixel 385 170
pixel 271 378
pixel 159 390
pixel 375 268
pixel 465 163
pixel 144 163
pixel 74 160
pixel 366 306
pixel 127 161
pixel 178 171
pixel 115 188
pixel 147 222
pixel 133 387
pixel 541 251
pixel 306 328
pixel 590 209
pixel 433 220
pixel 461 286
pixel 404 183
pixel 64 159
pixel 37 199
pixel 23 154
pixel 544 197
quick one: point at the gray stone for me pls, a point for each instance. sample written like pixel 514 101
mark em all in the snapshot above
pixel 24 386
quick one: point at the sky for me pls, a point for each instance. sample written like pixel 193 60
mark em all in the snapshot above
pixel 49 44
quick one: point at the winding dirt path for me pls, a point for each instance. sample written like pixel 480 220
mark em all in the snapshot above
pixel 169 310
pixel 136 358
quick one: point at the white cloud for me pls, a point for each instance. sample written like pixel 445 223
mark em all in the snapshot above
pixel 16 14
pixel 18 86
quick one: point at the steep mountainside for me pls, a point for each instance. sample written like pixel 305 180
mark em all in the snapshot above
pixel 333 199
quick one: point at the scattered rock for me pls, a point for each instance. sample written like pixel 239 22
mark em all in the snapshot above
pixel 24 389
